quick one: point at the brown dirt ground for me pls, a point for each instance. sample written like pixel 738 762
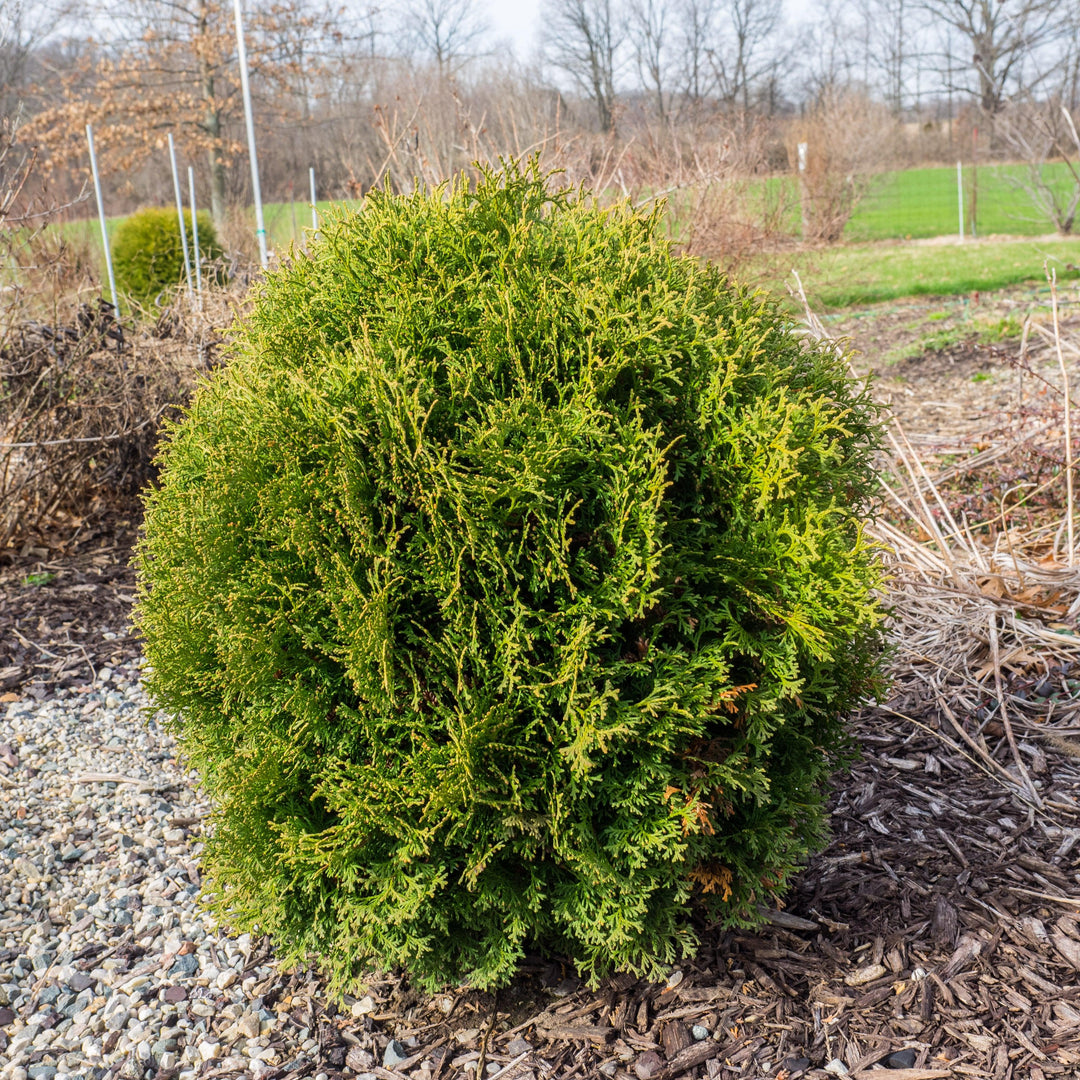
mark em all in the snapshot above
pixel 938 934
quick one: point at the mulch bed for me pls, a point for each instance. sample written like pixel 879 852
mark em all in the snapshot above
pixel 65 605
pixel 938 935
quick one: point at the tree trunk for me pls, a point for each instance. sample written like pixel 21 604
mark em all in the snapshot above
pixel 217 183
pixel 211 124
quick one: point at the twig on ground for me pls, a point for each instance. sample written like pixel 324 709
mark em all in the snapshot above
pixel 1003 711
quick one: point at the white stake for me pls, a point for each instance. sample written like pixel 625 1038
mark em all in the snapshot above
pixel 260 226
pixel 314 211
pixel 180 216
pixel 195 232
pixel 101 216
pixel 960 195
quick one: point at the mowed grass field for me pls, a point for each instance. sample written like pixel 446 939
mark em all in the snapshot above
pixel 880 259
pixel 284 221
pixel 850 274
pixel 919 203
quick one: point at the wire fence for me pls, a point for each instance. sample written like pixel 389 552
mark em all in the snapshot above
pixel 963 201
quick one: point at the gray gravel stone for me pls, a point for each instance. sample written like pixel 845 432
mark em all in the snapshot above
pixel 42 961
pixel 116 960
pixel 185 965
pixel 394 1054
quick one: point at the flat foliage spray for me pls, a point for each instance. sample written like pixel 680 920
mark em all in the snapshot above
pixel 509 590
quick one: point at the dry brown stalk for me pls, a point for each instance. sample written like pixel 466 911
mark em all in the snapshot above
pixel 1003 711
pixel 1068 423
pixel 81 401
pixel 980 613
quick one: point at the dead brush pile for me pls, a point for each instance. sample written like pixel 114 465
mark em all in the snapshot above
pixel 81 396
pixel 81 401
pixel 980 537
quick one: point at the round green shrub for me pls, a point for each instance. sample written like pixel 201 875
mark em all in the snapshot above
pixel 148 255
pixel 509 590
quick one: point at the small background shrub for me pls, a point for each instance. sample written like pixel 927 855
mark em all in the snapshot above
pixel 509 590
pixel 148 255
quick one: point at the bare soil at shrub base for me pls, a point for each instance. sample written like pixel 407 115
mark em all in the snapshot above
pixel 938 935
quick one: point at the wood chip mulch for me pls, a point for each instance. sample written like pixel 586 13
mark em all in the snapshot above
pixel 938 935
pixel 65 605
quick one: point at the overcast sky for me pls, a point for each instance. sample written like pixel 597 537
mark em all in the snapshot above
pixel 517 21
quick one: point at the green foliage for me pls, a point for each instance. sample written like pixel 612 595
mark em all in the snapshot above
pixel 509 589
pixel 1001 330
pixel 940 340
pixel 148 256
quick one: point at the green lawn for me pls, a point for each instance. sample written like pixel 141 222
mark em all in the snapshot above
pixel 867 273
pixel 923 202
pixel 286 222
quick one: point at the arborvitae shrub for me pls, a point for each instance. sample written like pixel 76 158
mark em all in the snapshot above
pixel 509 590
pixel 148 255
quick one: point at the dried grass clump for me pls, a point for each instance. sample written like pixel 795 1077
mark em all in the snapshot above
pixel 984 613
pixel 712 173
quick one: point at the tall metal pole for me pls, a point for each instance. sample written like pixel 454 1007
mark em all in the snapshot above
pixel 245 86
pixel 195 232
pixel 180 216
pixel 101 217
pixel 314 211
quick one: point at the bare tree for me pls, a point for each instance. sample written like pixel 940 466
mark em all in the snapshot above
pixel 24 26
pixel 584 38
pixel 887 42
pixel 648 28
pixel 1038 127
pixel 742 55
pixel 695 22
pixel 1002 39
pixel 449 33
pixel 1040 132
pixel 834 42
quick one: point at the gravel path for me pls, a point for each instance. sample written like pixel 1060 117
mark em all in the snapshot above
pixel 107 966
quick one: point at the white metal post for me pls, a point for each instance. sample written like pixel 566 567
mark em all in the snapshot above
pixel 960 195
pixel 101 216
pixel 180 216
pixel 804 194
pixel 314 211
pixel 195 233
pixel 245 86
